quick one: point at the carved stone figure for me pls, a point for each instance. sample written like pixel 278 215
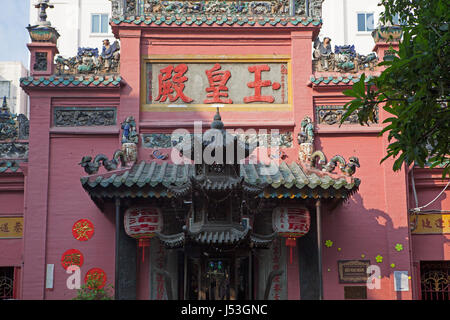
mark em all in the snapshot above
pixel 211 7
pixel 65 65
pixel 306 139
pixel 116 8
pixel 8 124
pixel 300 7
pixel 323 52
pixel 306 135
pixel 13 150
pixel 344 58
pixel 315 9
pixel 88 61
pixel 129 134
pixel 110 56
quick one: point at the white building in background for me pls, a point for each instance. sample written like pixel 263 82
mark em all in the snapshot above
pixel 348 22
pixel 81 23
pixel 17 99
pixel 85 23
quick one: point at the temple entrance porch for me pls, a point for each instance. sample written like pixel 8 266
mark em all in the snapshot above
pixel 213 275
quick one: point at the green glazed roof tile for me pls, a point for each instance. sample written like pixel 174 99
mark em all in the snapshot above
pixel 153 175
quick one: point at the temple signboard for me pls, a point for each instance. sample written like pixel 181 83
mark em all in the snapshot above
pixel 353 271
pixel 434 223
pixel 11 227
pixel 216 83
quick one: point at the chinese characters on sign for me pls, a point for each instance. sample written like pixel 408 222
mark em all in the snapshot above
pixel 11 227
pixel 83 230
pixel 142 222
pixel 217 80
pixel 431 223
pixel 96 278
pixel 291 222
pixel 275 267
pixel 179 84
pixel 169 83
pixel 72 257
pixel 277 262
pixel 158 257
pixel 258 84
pixel 353 271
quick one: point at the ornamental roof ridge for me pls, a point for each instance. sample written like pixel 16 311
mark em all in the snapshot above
pixel 80 80
pixel 212 8
pixel 331 79
pixel 160 173
pixel 218 20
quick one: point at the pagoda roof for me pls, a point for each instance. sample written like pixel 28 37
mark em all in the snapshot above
pixel 155 180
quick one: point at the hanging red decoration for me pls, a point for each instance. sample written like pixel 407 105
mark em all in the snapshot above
pixel 143 224
pixel 98 276
pixel 291 223
pixel 72 257
pixel 83 230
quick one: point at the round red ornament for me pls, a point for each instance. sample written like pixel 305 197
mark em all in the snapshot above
pixel 83 230
pixel 72 257
pixel 96 274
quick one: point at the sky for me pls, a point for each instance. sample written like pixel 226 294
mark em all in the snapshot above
pixel 14 18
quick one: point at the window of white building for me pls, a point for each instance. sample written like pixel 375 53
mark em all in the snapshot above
pixel 366 21
pixel 99 23
pixel 4 89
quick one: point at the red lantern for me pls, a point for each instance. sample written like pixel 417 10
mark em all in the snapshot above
pixel 143 224
pixel 291 223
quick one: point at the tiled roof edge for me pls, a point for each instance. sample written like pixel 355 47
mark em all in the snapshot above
pixel 199 20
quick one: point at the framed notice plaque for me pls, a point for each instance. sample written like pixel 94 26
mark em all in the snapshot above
pixel 353 271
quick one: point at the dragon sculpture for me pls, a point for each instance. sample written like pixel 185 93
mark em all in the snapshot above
pixel 347 169
pixel 92 167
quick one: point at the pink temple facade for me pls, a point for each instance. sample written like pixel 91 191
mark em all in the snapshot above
pixel 175 72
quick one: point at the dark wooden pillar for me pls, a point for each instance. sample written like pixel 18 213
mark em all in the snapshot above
pixel 126 259
pixel 309 262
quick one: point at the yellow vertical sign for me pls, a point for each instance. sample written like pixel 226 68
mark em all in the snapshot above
pixel 11 227
pixel 431 223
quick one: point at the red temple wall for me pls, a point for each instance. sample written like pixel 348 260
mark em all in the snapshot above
pixel 55 197
pixel 369 224
pixel 11 206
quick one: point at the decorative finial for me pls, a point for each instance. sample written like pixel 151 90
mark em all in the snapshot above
pixel 43 5
pixel 4 104
pixel 217 123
